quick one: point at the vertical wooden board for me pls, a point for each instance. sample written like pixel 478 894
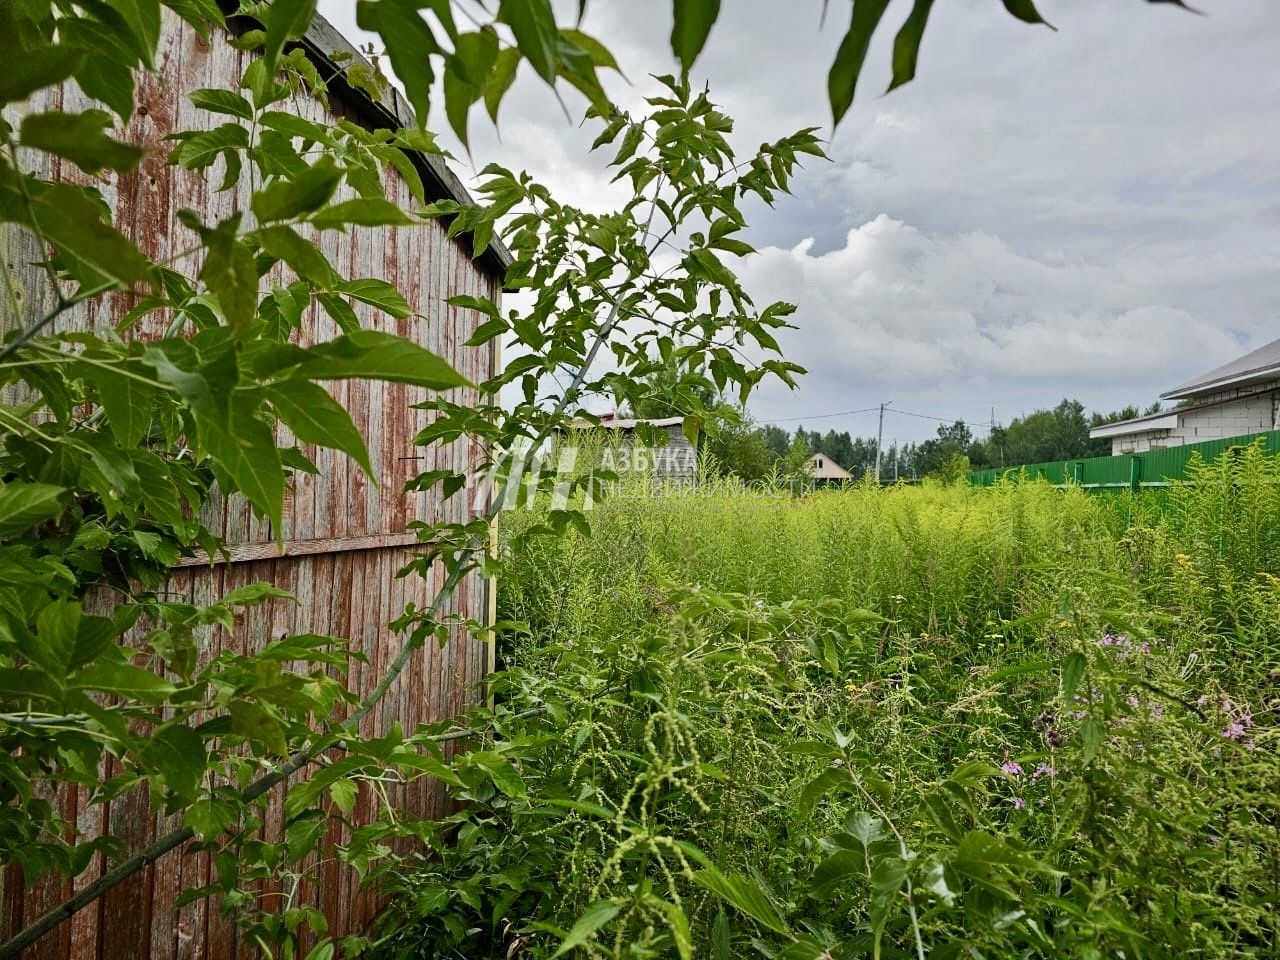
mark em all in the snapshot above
pixel 44 895
pixel 10 901
pixel 166 885
pixel 86 924
pixel 126 916
pixel 218 934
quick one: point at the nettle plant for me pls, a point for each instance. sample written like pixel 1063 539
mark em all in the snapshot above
pixel 110 443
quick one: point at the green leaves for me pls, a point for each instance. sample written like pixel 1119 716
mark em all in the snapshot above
pixel 1025 10
pixel 222 101
pixel 125 680
pixel 500 771
pixel 410 45
pixel 143 19
pixel 232 276
pixel 1072 670
pixel 288 198
pixel 175 755
pixel 693 20
pixel 248 454
pixel 377 293
pixel 303 256
pixel 592 919
pixel 29 70
pixel 372 354
pixel 315 417
pixel 842 79
pixel 286 20
pixel 906 45
pixel 195 151
pixel 79 138
pixel 534 24
pixel 24 505
pixel 362 212
pixel 128 402
pixel 467 74
pixel 70 219
pixel 744 894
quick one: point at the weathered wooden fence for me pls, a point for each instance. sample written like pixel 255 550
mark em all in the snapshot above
pixel 344 537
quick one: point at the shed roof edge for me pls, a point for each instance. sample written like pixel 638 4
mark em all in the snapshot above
pixel 321 41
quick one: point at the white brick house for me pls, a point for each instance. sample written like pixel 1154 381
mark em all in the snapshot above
pixel 1239 397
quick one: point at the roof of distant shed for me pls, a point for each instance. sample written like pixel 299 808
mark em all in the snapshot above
pixel 390 111
pixel 613 421
pixel 1261 364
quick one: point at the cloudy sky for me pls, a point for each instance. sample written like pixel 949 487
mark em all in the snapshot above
pixel 1092 212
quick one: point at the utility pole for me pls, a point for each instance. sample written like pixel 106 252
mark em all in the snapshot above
pixel 880 438
pixel 894 448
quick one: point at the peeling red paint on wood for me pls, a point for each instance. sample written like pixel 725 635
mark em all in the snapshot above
pixel 345 536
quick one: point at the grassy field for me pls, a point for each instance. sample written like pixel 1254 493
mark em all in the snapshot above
pixel 937 721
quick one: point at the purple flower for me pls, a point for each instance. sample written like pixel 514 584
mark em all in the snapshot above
pixel 1019 803
pixel 1012 769
pixel 1044 770
pixel 1234 731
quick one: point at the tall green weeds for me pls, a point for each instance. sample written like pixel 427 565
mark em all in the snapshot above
pixel 939 721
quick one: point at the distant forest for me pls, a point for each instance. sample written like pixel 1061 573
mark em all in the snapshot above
pixel 750 450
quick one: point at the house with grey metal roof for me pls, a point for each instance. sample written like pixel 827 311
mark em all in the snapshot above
pixel 1235 399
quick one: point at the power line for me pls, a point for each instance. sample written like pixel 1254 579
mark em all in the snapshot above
pixel 847 413
pixel 922 416
pixel 821 416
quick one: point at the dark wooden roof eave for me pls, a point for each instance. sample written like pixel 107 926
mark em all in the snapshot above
pixel 390 111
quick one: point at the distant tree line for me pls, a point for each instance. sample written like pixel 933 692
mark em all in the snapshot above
pixel 751 451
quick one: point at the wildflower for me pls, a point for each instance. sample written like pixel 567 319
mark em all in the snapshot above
pixel 1135 702
pixel 1019 803
pixel 1012 769
pixel 1234 730
pixel 1044 770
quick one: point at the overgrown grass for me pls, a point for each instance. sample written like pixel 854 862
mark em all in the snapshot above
pixel 1012 721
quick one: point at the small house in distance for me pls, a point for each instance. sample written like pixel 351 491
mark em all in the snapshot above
pixel 1237 398
pixel 821 467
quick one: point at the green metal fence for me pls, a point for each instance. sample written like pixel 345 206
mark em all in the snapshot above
pixel 1155 468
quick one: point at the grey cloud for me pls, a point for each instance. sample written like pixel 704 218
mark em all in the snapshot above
pixel 1086 213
